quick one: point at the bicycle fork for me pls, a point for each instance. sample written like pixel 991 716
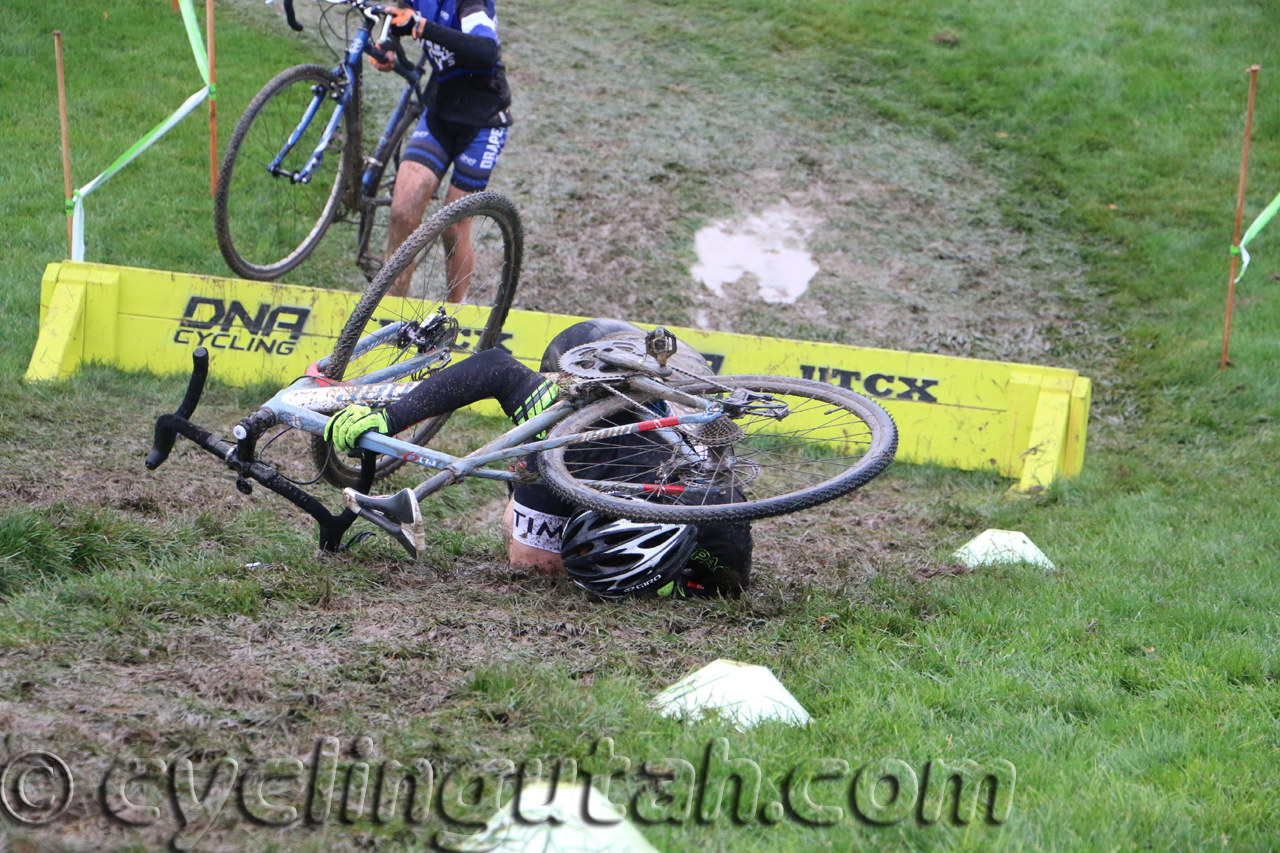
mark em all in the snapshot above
pixel 349 97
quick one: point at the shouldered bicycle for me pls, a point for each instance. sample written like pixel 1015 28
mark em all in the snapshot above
pixel 295 163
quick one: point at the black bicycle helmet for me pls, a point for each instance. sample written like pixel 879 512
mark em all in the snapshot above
pixel 614 557
pixel 586 332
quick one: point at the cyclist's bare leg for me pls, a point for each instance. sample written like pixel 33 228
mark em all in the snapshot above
pixel 415 185
pixel 522 556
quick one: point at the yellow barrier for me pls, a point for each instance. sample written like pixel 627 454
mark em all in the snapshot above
pixel 1024 421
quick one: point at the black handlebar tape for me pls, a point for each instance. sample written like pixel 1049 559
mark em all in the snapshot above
pixel 289 16
pixel 162 444
pixel 199 373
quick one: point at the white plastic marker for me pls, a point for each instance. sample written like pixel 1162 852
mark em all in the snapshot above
pixel 996 547
pixel 557 826
pixel 741 692
pixel 76 202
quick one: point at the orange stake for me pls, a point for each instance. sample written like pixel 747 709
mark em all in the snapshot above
pixel 1235 239
pixel 213 104
pixel 66 141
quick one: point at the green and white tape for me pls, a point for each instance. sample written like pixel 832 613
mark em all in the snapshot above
pixel 197 41
pixel 1258 225
pixel 202 62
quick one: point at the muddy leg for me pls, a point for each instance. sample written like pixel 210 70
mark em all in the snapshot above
pixel 415 184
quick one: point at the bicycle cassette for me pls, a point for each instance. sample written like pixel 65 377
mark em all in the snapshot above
pixel 718 433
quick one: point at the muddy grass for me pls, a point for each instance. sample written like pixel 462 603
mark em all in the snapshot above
pixel 630 136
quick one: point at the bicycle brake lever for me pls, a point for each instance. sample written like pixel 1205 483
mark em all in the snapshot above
pixel 398 515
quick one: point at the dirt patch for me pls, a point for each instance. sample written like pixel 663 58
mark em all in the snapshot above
pixel 911 250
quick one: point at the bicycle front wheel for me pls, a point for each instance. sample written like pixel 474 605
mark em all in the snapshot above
pixel 477 243
pixel 268 222
pixel 805 444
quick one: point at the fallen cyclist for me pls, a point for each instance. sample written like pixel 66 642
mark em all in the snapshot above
pixel 609 557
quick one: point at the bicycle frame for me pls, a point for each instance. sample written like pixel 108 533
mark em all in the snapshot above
pixel 301 405
pixel 351 64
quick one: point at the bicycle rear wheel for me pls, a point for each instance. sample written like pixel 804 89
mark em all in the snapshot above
pixel 830 442
pixel 494 253
pixel 267 223
pixel 375 211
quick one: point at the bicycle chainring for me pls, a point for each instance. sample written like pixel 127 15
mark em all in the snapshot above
pixel 584 362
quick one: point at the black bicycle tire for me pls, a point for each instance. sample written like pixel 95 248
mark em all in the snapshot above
pixel 884 442
pixel 491 204
pixel 222 201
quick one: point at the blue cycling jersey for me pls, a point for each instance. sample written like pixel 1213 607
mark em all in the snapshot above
pixel 468 82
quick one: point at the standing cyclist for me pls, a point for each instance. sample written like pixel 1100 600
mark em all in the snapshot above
pixel 606 556
pixel 465 124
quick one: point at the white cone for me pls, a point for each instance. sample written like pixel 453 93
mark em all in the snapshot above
pixel 563 828
pixel 740 692
pixel 994 547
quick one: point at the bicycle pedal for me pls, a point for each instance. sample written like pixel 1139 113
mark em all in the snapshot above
pixel 396 514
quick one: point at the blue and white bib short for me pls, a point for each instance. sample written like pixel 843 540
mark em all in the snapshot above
pixel 473 151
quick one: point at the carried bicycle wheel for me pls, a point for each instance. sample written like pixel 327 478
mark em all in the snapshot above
pixel 267 219
pixel 803 444
pixel 476 242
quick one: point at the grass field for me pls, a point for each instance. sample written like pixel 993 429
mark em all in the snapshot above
pixel 1076 162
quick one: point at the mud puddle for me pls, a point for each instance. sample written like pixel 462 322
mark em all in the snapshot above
pixel 769 247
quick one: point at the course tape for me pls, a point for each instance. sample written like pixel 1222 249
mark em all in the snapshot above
pixel 77 242
pixel 197 41
pixel 1258 224
pixel 76 202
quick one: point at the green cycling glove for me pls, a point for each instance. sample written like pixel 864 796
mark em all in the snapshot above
pixel 345 428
